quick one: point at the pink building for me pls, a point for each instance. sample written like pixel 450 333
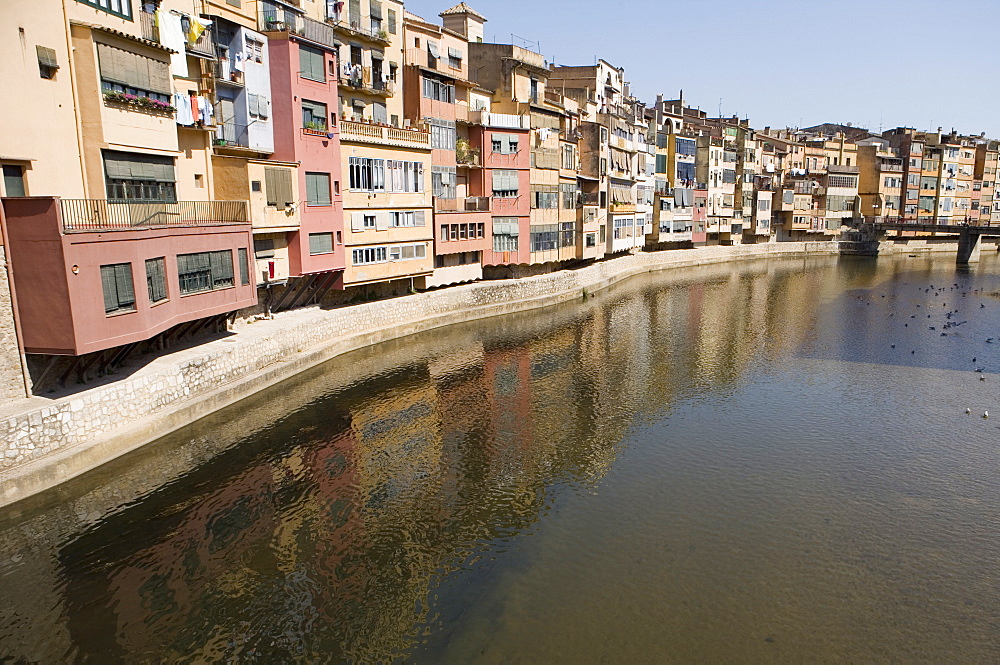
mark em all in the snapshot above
pixel 505 177
pixel 92 275
pixel 304 79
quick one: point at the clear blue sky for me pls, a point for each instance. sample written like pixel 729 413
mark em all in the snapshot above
pixel 918 63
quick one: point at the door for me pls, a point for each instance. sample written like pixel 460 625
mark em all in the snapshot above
pixel 228 113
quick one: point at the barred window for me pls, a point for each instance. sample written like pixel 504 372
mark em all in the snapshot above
pixel 842 181
pixel 205 271
pixel 505 234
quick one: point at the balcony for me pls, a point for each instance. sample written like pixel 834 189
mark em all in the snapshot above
pixel 622 207
pixel 544 159
pixel 203 47
pixel 355 29
pixel 499 120
pixel 364 80
pixel 588 199
pixel 88 215
pixel 232 135
pixel 308 29
pixel 469 204
pixel 468 156
pixel 363 132
pixel 841 168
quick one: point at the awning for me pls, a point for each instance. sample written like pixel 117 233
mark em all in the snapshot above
pixel 432 48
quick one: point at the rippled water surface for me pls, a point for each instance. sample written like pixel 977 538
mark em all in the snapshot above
pixel 759 462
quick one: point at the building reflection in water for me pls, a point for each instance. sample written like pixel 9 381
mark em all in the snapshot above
pixel 320 517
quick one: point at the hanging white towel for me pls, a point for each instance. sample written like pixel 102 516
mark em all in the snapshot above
pixel 238 62
pixel 172 36
pixel 183 105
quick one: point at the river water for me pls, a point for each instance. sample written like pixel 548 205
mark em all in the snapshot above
pixel 768 461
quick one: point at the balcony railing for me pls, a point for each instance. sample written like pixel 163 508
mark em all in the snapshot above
pixel 469 204
pixel 499 120
pixel 84 215
pixel 362 78
pixel 356 29
pixel 301 26
pixel 370 133
pixel 588 199
pixel 204 46
pixel 232 135
pixel 841 168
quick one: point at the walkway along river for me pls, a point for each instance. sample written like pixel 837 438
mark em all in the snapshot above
pixel 746 462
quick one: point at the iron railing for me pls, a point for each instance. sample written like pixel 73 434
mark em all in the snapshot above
pixel 304 27
pixel 84 215
pixel 203 46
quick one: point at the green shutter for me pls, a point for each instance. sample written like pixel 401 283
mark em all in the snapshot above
pixel 123 283
pixel 110 291
pixel 244 266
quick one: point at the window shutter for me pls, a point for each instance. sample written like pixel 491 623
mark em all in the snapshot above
pixel 108 286
pixel 244 266
pixel 320 243
pixel 355 11
pixel 262 104
pixel 419 218
pixel 392 21
pixel 375 9
pixel 381 220
pixel 357 221
pixel 46 57
pixel 123 282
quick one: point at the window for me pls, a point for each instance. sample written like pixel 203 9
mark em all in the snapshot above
pixel 311 63
pixel 360 257
pixel 842 181
pixel 591 240
pixel 13 180
pixel 130 73
pixel 378 175
pixel 375 13
pixel 443 181
pixel 392 21
pixel 318 189
pixel 205 271
pixel 544 237
pixel 505 184
pixel 121 8
pixel 407 252
pixel 685 146
pixel 443 133
pixel 263 248
pixel 47 63
pixel 545 200
pixel 278 187
pixel 569 157
pixel 143 178
pixel 156 279
pixel 320 243
pixel 661 163
pixel 369 223
pixel 439 90
pixel 568 191
pixel 314 115
pixel 567 234
pixel 241 254
pixel 432 54
pixel 119 293
pixel 505 232
pixel 505 144
pixel 454 58
pixel 407 218
pixel 728 176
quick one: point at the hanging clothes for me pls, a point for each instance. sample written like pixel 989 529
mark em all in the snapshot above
pixel 238 63
pixel 183 105
pixel 196 28
pixel 172 37
pixel 195 111
pixel 224 67
pixel 206 111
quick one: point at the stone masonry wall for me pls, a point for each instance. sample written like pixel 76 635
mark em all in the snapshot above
pixel 11 375
pixel 178 388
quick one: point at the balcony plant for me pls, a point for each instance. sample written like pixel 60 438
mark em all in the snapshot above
pixel 138 101
pixel 383 35
pixel 314 125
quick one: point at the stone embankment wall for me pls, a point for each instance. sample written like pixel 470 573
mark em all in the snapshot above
pixel 47 441
pixel 11 375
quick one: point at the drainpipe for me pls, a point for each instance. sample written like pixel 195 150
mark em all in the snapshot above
pixel 76 105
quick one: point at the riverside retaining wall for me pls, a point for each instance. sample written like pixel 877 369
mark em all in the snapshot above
pixel 48 441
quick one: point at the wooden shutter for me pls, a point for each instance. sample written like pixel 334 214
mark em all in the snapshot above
pixel 381 220
pixel 123 283
pixel 244 266
pixel 320 243
pixel 392 21
pixel 278 186
pixel 354 11
pixel 420 218
pixel 46 57
pixel 357 221
pixel 109 288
